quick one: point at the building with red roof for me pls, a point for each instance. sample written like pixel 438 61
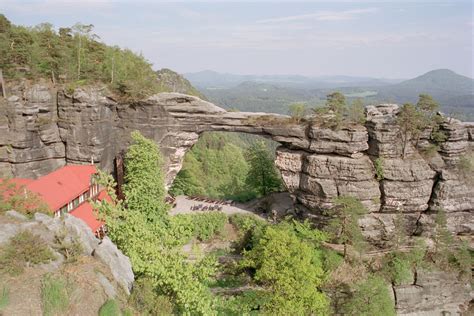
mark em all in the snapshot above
pixel 68 190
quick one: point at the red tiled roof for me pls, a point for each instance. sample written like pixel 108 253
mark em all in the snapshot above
pixel 63 185
pixel 88 215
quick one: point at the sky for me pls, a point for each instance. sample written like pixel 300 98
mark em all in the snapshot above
pixel 384 39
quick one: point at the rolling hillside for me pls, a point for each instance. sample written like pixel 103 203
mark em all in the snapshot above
pixel 454 92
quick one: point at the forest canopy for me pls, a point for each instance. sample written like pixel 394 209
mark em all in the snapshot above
pixel 73 56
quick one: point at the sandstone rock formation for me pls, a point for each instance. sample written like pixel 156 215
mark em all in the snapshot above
pixel 41 129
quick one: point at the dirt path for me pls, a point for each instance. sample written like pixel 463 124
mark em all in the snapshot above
pixel 184 205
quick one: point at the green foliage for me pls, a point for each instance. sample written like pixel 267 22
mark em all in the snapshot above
pixel 414 119
pixel 19 199
pixel 247 303
pixel 262 176
pixel 250 229
pixel 344 226
pixel 54 296
pixel 297 111
pixel 23 249
pixel 397 268
pixel 147 301
pixel 215 167
pixel 356 112
pixel 144 181
pixel 143 235
pixel 4 293
pixel 378 164
pixel 73 54
pixel 336 112
pixel 370 297
pixel 291 269
pixel 110 308
pixel 203 226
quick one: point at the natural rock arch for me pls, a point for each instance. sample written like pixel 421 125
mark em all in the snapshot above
pixel 45 130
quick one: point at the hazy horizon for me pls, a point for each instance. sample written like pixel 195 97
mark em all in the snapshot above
pixel 380 39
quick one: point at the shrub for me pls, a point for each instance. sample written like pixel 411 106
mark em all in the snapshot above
pixel 378 164
pixel 370 297
pixel 203 226
pixel 297 111
pixel 54 296
pixel 250 229
pixel 24 248
pixel 147 301
pixel 110 308
pixel 291 270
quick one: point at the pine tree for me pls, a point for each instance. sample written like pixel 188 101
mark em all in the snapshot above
pixel 344 225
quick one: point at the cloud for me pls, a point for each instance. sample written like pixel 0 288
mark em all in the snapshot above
pixel 321 16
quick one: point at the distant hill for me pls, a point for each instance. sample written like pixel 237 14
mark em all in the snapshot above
pixel 211 80
pixel 170 81
pixel 454 92
pixel 450 89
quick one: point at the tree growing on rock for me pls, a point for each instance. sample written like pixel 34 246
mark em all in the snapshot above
pixel 413 120
pixel 344 226
pixel 297 111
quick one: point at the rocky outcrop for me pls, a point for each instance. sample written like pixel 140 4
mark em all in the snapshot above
pixel 435 293
pixel 71 228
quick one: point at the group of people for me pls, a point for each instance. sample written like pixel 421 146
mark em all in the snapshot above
pixel 216 205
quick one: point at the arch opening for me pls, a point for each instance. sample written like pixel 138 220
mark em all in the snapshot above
pixel 229 166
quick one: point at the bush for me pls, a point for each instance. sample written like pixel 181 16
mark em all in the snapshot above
pixel 370 297
pixel 203 226
pixel 250 229
pixel 378 164
pixel 110 308
pixel 54 296
pixel 246 303
pixel 290 269
pixel 147 301
pixel 24 248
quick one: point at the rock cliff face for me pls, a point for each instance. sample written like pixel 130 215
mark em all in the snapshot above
pixel 42 129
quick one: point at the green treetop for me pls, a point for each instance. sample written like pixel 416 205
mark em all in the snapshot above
pixel 344 225
pixel 144 181
pixel 262 176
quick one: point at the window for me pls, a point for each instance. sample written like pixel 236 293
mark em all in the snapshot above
pixel 75 202
pixel 63 210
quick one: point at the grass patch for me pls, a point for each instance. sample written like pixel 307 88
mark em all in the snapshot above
pixel 54 296
pixel 4 297
pixel 24 249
